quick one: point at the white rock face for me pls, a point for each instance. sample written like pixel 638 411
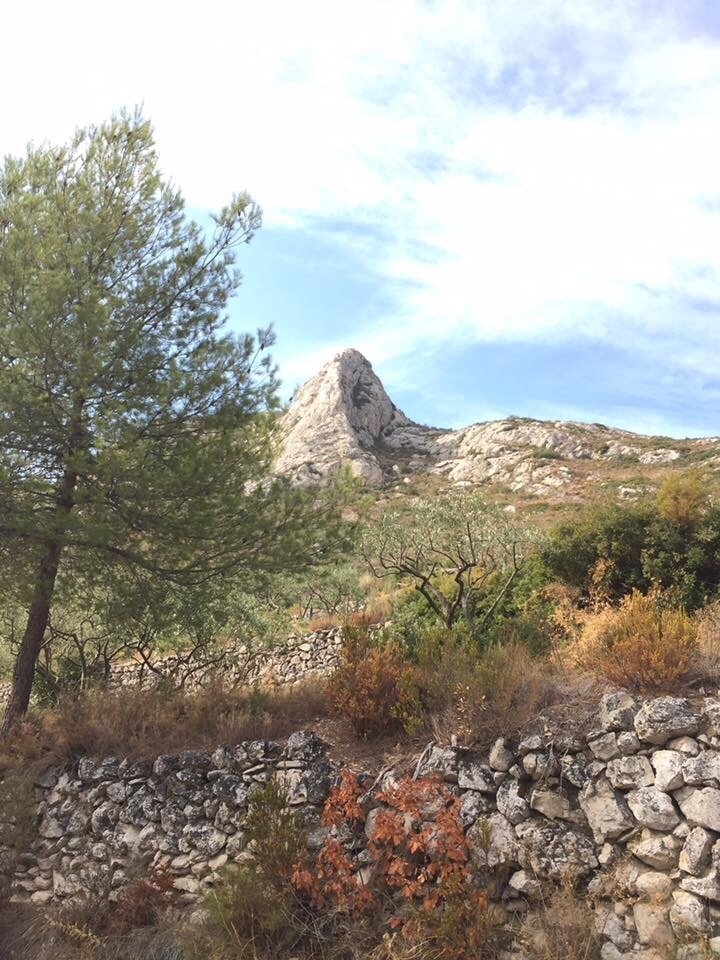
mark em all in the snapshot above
pixel 336 418
pixel 343 416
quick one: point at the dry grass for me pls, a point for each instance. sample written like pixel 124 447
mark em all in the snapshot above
pixel 375 612
pixel 147 722
pixel 478 698
pixel 641 644
pixel 707 658
pixel 30 934
pixel 562 928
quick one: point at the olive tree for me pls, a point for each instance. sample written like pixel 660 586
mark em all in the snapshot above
pixel 462 553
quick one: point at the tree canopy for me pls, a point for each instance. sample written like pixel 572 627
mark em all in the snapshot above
pixel 135 429
pixel 462 553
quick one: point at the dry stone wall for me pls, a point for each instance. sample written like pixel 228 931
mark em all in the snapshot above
pixel 630 812
pixel 298 658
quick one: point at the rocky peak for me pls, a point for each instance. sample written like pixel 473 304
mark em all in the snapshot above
pixel 338 417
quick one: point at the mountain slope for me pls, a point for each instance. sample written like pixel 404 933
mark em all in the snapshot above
pixel 343 415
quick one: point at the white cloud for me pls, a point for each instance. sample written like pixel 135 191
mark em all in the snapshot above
pixel 569 147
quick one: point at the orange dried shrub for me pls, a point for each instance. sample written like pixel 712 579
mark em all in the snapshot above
pixel 641 644
pixel 419 877
pixel 421 853
pixel 330 884
pixel 365 687
pixel 342 804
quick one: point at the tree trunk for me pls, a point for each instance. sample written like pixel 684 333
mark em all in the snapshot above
pixel 31 643
pixel 39 612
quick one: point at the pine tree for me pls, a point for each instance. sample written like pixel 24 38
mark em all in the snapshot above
pixel 134 429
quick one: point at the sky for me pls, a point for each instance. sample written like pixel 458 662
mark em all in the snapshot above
pixel 508 206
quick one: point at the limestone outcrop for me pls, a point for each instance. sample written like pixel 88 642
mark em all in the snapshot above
pixel 343 417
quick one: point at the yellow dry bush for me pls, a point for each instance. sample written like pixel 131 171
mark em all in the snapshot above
pixel 641 644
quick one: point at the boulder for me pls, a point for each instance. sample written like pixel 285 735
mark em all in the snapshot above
pixel 688 914
pixel 550 804
pixel 711 716
pixel 501 757
pixel 442 761
pixel 656 850
pixel 510 803
pixel 492 841
pixel 206 839
pixel 652 808
pixel 702 769
pixel 604 747
pixel 688 746
pixel 617 711
pixel 701 807
pixel 304 745
pixel 474 775
pixel 606 811
pixel 539 766
pixel 653 885
pixel 608 924
pixel 474 805
pixel 695 854
pixel 628 743
pixel 93 771
pixel 653 924
pixel 574 770
pixel 706 886
pixel 664 717
pixel 553 850
pixel 630 773
pixel 525 884
pixel 668 765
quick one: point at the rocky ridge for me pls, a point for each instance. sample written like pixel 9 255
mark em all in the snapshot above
pixel 343 416
pixel 630 812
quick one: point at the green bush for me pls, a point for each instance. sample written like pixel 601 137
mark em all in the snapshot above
pixel 521 616
pixel 609 549
pixel 253 911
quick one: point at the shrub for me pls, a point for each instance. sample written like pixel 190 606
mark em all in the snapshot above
pixel 610 549
pixel 246 917
pixel 365 687
pixel 480 695
pixel 252 913
pixel 274 832
pixel 641 644
pixel 683 497
pixel 419 878
pixel 143 901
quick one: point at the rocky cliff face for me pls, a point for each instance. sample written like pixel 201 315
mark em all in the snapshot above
pixel 340 416
pixel 343 416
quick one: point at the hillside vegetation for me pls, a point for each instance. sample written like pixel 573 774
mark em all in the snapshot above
pixel 155 500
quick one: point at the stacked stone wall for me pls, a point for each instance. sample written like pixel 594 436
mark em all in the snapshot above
pixel 629 812
pixel 298 658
